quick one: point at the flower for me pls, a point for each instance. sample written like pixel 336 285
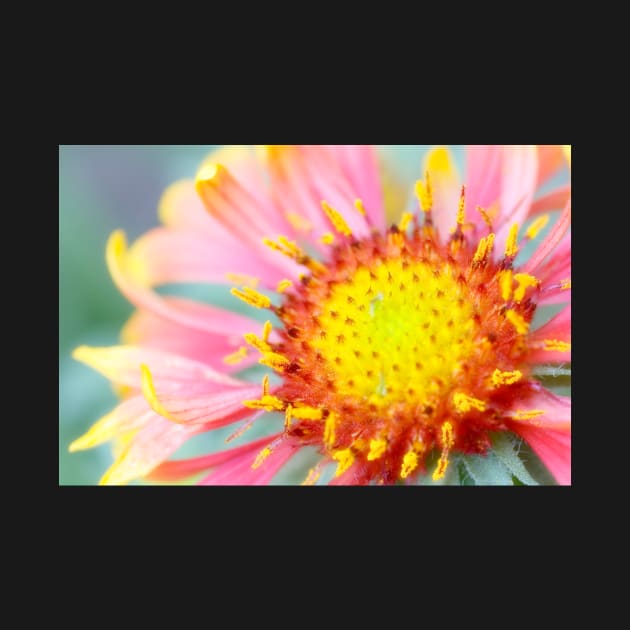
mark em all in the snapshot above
pixel 395 351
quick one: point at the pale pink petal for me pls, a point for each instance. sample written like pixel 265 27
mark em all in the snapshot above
pixel 181 208
pixel 121 364
pixel 143 297
pixel 175 470
pixel 551 241
pixel 130 415
pixel 239 471
pixel 191 406
pixel 554 274
pixel 360 166
pixel 302 176
pixel 558 328
pixel 519 170
pixel 164 256
pixel 149 447
pixel 249 219
pixel 446 187
pixel 553 448
pixel 483 179
pixel 144 328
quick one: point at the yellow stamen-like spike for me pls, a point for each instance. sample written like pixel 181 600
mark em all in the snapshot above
pixel 505 283
pixel 243 280
pixel 307 413
pixel 410 463
pixel 565 284
pixel 251 297
pixel 424 195
pixel 377 449
pixel 484 216
pixel 292 250
pixel 288 414
pixel 283 285
pixel 464 403
pixel 405 220
pixel 441 467
pixel 298 222
pixel 148 390
pixel 527 415
pixel 265 385
pixel 236 357
pixel 327 239
pixel 268 403
pixel 274 360
pixel 517 321
pixel 101 431
pixel 534 229
pixel 261 457
pixel 556 345
pixel 266 331
pixel 329 429
pixel 505 378
pixel 524 282
pixel 358 204
pixel 511 246
pixel 313 475
pixel 448 435
pixel 345 459
pixel 337 220
pixel 208 172
pixel 254 341
pixel 484 248
pixel 461 208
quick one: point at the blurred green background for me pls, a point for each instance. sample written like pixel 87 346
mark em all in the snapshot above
pixel 103 188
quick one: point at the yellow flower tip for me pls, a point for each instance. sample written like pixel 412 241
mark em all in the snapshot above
pixel 358 204
pixel 410 463
pixel 252 297
pixel 423 193
pixel 283 285
pixel 236 357
pixel 566 148
pixel 517 321
pixel 207 173
pixel 148 391
pixel 405 220
pixel 448 434
pixel 327 238
pixel 336 218
pixel 313 475
pixel 377 449
pixel 167 205
pixel 115 248
pixel 511 246
pixel 261 457
pixel 505 283
pixel 464 403
pixel 440 469
pixel 499 378
pixel 345 458
pixel 534 229
pixel 439 160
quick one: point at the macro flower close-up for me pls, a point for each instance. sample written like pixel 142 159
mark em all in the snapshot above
pixel 305 317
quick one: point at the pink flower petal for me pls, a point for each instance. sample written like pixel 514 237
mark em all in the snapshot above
pixel 550 242
pixel 149 447
pixel 519 171
pixel 121 364
pixel 145 328
pixel 360 166
pixel 239 471
pixel 556 410
pixel 164 256
pixel 302 176
pixel 446 187
pixel 553 448
pixel 558 328
pixel 483 179
pixel 175 470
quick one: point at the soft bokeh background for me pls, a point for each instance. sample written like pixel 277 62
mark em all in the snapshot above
pixel 103 188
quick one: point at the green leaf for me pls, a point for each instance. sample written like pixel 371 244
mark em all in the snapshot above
pixel 487 470
pixel 506 448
